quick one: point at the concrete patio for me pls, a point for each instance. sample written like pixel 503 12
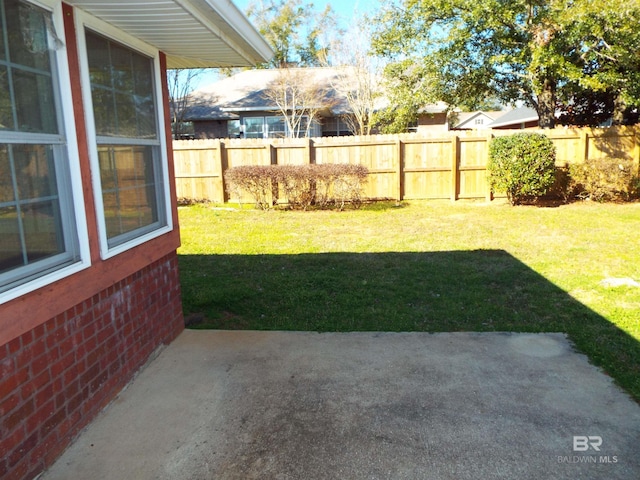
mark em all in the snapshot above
pixel 288 405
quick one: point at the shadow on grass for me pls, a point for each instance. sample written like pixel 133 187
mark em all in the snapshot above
pixel 484 290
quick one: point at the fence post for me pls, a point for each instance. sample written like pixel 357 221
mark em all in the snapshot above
pixel 635 154
pixel 220 159
pixel 455 170
pixel 584 145
pixel 310 151
pixel 272 152
pixel 399 170
pixel 489 195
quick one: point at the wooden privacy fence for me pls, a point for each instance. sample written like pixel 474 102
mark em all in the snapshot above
pixel 401 167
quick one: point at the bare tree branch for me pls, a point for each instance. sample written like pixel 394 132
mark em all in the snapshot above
pixel 296 95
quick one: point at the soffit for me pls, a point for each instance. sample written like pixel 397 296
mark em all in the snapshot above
pixel 192 33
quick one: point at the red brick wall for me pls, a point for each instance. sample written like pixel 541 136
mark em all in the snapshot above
pixel 55 378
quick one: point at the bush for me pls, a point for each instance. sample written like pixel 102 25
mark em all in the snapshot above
pixel 301 186
pixel 522 165
pixel 254 180
pixel 605 179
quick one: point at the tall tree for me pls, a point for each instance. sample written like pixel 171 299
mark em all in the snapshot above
pixel 297 32
pixel 514 50
pixel 180 83
pixel 357 79
pixel 298 98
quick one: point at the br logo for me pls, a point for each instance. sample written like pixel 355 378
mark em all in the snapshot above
pixel 582 443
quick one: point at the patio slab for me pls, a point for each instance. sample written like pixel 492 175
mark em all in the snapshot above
pixel 290 405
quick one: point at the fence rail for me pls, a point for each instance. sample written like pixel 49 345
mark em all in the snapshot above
pixel 402 167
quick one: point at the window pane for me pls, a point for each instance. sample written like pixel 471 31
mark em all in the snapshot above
pixel 233 128
pixel 125 116
pixel 42 230
pixel 2 45
pixel 28 43
pixel 129 188
pixel 6 177
pixel 6 112
pixel 121 68
pixel 145 115
pixel 276 127
pixel 254 127
pixel 26 83
pixel 35 105
pixel 99 61
pixel 10 247
pixel 35 171
pixel 104 111
pixel 122 90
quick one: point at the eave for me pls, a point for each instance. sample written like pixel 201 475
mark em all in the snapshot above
pixel 192 33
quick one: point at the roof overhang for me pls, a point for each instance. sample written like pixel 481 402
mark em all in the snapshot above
pixel 515 117
pixel 192 33
pixel 268 108
pixel 438 107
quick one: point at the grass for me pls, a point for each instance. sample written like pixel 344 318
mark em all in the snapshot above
pixel 422 266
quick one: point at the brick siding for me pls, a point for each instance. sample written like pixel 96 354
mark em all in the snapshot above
pixel 55 378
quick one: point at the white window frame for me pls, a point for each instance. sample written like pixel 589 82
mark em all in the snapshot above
pixel 86 21
pixel 67 122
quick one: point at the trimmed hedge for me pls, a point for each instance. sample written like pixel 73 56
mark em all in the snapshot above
pixel 605 179
pixel 300 186
pixel 522 165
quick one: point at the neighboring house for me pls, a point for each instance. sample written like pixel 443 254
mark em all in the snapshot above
pixel 242 106
pixel 473 120
pixel 89 282
pixel 519 118
pixel 432 119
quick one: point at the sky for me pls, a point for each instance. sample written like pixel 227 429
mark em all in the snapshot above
pixel 345 10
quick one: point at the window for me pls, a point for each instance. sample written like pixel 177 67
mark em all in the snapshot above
pixel 276 127
pixel 254 127
pixel 479 121
pixel 129 152
pixel 183 130
pixel 38 225
pixel 233 129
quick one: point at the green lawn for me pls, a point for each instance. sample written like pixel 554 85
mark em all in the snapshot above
pixel 422 266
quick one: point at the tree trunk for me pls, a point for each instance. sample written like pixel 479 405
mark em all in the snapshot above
pixel 547 104
pixel 619 106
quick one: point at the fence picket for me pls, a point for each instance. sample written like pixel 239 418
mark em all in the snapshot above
pixel 450 165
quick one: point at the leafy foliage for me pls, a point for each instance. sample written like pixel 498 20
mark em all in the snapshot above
pixel 324 186
pixel 522 165
pixel 516 50
pixel 298 34
pixel 605 179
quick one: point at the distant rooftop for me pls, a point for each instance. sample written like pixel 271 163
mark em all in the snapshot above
pixel 516 116
pixel 247 91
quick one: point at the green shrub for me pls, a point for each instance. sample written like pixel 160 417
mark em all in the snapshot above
pixel 605 179
pixel 301 186
pixel 521 165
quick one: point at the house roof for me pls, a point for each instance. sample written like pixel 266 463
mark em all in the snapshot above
pixel 438 107
pixel 192 33
pixel 515 117
pixel 463 118
pixel 247 92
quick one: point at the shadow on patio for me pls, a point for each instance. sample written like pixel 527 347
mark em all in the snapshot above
pixel 482 290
